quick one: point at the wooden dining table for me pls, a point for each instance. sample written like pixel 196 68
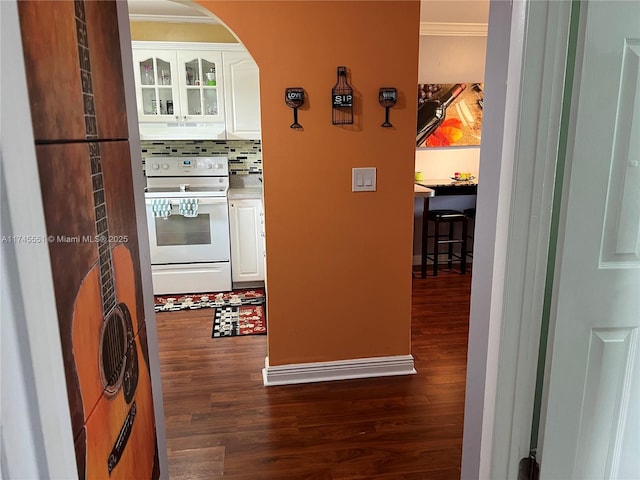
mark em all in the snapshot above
pixel 429 188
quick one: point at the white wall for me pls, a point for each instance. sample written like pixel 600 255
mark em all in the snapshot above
pixel 451 59
pixel 444 162
pixel 464 11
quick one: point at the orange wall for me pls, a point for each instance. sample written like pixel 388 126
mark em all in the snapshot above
pixel 338 263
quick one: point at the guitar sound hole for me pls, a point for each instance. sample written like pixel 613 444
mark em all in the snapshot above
pixel 113 349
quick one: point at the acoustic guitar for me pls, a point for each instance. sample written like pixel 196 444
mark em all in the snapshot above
pixel 119 429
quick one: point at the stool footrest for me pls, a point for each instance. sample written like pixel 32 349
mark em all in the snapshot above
pixel 450 241
pixel 447 259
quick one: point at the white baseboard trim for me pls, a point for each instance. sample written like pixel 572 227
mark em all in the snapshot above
pixel 337 370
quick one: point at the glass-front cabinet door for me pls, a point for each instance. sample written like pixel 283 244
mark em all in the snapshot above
pixel 157 84
pixel 201 94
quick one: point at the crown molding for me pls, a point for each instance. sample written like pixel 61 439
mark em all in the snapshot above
pixel 446 29
pixel 135 17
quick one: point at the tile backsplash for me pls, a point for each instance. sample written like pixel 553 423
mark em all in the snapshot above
pixel 245 156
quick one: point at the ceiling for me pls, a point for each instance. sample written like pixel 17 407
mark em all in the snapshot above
pixel 431 11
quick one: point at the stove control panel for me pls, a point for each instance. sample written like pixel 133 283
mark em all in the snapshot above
pixel 187 166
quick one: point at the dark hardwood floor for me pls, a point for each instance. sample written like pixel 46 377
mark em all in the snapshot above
pixel 221 420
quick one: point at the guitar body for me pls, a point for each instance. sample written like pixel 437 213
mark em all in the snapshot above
pixel 120 436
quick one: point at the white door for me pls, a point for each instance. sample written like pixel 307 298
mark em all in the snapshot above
pixel 591 428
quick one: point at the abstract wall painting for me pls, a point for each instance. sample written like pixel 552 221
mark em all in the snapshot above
pixel 449 115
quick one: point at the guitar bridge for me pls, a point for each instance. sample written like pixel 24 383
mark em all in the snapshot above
pixel 121 441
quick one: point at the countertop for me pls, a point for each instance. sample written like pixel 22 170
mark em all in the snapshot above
pixel 433 182
pixel 449 187
pixel 422 191
pixel 237 193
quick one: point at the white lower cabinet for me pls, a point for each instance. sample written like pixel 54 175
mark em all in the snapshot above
pixel 246 225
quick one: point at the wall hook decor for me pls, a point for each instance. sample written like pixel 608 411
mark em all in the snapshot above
pixel 342 99
pixel 387 96
pixel 294 98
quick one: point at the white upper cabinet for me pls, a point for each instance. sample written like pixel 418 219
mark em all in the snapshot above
pixel 201 86
pixel 242 96
pixel 156 76
pixel 196 91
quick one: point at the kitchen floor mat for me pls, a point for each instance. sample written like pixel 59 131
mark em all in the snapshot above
pixel 231 321
pixel 172 303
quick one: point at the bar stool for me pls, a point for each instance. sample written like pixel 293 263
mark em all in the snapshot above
pixel 451 218
pixel 470 213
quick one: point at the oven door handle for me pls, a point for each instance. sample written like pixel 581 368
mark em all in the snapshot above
pixel 201 200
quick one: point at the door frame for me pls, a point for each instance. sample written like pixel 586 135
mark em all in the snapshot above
pixel 513 237
pixel 493 375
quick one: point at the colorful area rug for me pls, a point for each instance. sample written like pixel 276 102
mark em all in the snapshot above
pixel 172 303
pixel 242 320
pixel 239 312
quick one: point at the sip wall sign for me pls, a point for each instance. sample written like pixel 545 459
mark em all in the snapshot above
pixel 342 100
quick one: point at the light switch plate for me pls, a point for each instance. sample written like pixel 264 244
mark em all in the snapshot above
pixel 363 179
